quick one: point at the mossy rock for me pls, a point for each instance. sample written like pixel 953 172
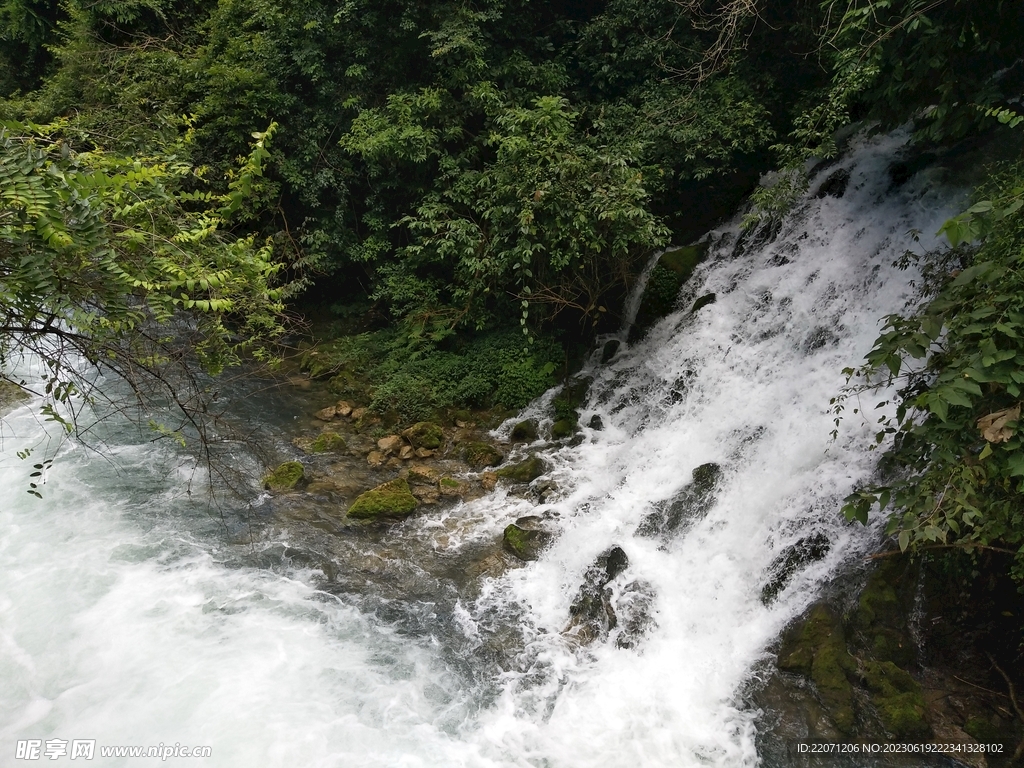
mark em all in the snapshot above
pixel 327 442
pixel 392 499
pixel 985 731
pixel 897 698
pixel 674 268
pixel 425 434
pixel 525 471
pixel 817 649
pixel 525 543
pixel 285 477
pixel 480 455
pixel 524 431
pixel 562 428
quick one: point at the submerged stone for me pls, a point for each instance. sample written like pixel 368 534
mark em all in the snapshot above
pixel 392 499
pixel 608 351
pixel 525 471
pixel 635 613
pixel 285 477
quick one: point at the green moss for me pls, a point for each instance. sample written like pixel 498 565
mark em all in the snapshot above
pixel 817 650
pixel 387 500
pixel 524 431
pixel 425 434
pixel 11 395
pixel 450 483
pixel 326 442
pixel 480 455
pixel 524 543
pixel 674 268
pixel 285 477
pixel 897 698
pixel 562 428
pixel 525 471
pixel 985 731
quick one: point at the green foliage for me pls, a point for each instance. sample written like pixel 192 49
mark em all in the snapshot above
pixel 955 455
pixel 101 253
pixel 483 371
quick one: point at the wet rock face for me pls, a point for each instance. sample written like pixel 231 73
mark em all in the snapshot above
pixel 835 185
pixel 807 550
pixel 635 612
pixel 686 507
pixel 591 615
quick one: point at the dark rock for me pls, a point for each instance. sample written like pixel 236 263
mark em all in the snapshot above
pixel 526 537
pixel 835 185
pixel 703 301
pixel 591 614
pixel 688 506
pixel 524 431
pixel 525 471
pixel 807 550
pixel 608 351
pixel 596 423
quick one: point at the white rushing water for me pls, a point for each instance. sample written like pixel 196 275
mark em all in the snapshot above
pixel 127 618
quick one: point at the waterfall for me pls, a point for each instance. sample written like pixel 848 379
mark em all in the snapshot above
pixel 130 616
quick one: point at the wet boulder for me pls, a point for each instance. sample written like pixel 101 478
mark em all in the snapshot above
pixel 479 455
pixel 524 431
pixel 392 499
pixel 286 477
pixel 793 558
pixel 591 615
pixel 526 537
pixel 524 471
pixel 687 507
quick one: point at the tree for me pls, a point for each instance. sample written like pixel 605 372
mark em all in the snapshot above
pixel 128 265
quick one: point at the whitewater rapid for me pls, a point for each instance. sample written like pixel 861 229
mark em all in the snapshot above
pixel 130 615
